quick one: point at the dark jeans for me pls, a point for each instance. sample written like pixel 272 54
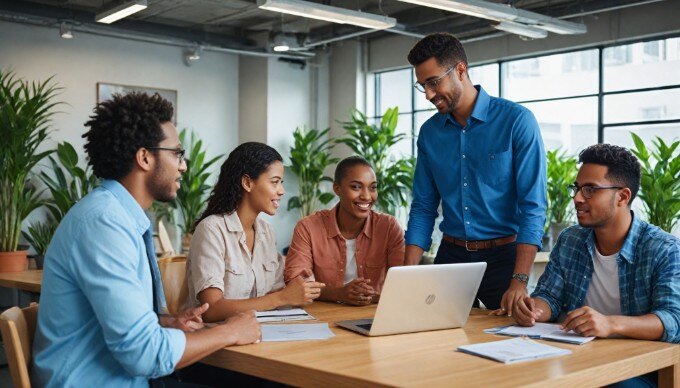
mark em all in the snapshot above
pixel 201 375
pixel 500 265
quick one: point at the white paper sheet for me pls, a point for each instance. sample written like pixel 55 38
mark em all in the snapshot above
pixel 283 315
pixel 513 350
pixel 544 331
pixel 296 332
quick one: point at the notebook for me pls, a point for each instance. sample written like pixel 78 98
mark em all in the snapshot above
pixel 544 331
pixel 513 350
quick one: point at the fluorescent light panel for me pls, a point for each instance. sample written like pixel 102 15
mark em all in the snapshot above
pixel 521 29
pixel 120 10
pixel 327 13
pixel 503 13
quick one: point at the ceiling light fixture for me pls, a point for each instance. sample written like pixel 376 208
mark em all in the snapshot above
pixel 330 14
pixel 117 10
pixel 66 30
pixel 281 43
pixel 521 29
pixel 504 13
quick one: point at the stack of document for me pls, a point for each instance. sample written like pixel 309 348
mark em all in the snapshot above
pixel 513 350
pixel 544 331
pixel 283 315
pixel 296 332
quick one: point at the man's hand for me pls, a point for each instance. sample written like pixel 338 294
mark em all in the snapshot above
pixel 188 320
pixel 514 293
pixel 244 328
pixel 588 322
pixel 358 292
pixel 525 312
pixel 301 291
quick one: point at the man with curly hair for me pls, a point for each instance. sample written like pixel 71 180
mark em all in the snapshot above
pixel 103 318
pixel 481 159
pixel 613 274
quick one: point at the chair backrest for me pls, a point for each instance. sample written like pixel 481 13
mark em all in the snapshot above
pixel 173 277
pixel 18 328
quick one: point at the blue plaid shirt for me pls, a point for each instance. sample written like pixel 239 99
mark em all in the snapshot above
pixel 649 274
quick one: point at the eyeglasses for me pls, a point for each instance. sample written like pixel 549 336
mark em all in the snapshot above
pixel 433 83
pixel 179 152
pixel 588 191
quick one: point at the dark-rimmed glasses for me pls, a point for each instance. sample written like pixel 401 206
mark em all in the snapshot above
pixel 588 190
pixel 179 152
pixel 433 83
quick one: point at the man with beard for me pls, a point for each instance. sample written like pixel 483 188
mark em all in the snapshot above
pixel 481 158
pixel 103 319
pixel 613 274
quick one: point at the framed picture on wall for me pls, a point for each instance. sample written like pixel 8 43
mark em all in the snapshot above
pixel 105 91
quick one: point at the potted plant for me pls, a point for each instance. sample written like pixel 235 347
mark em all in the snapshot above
pixel 70 182
pixel 39 236
pixel 193 193
pixel 660 181
pixel 25 112
pixel 310 155
pixel 562 170
pixel 373 142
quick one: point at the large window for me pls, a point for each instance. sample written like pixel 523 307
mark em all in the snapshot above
pixel 579 98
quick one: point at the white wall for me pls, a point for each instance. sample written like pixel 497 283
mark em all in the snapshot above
pixel 207 91
pixel 278 97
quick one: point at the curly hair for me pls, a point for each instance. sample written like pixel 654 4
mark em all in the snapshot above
pixel 444 47
pixel 622 166
pixel 343 167
pixel 251 159
pixel 121 126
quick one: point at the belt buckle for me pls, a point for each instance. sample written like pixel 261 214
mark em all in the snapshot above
pixel 471 250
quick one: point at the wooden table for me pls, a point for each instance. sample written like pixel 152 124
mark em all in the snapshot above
pixel 29 280
pixel 430 359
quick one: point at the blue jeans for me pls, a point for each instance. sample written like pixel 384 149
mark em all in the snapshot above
pixel 650 380
pixel 500 265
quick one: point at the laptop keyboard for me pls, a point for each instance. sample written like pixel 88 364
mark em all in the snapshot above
pixel 366 326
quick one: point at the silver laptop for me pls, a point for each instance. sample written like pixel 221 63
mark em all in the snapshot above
pixel 421 298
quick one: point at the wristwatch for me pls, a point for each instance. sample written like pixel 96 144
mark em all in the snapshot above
pixel 522 277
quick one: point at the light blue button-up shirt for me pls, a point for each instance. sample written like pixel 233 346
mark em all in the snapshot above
pixel 96 324
pixel 489 175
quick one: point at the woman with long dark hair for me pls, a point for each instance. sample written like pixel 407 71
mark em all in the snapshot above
pixel 233 264
pixel 350 247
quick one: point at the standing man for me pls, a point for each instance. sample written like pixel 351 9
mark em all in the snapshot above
pixel 102 313
pixel 482 159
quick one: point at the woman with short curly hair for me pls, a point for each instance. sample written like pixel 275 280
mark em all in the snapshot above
pixel 233 263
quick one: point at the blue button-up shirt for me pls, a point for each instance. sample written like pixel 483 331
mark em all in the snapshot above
pixel 649 274
pixel 489 175
pixel 96 325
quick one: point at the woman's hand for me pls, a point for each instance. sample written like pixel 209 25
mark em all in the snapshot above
pixel 358 292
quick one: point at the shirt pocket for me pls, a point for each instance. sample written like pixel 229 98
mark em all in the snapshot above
pixel 235 281
pixel 495 168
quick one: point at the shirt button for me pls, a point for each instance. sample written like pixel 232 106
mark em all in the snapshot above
pixel 464 184
pixel 468 222
pixel 463 131
pixel 463 156
pixel 466 207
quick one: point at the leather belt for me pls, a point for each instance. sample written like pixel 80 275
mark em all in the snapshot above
pixel 477 245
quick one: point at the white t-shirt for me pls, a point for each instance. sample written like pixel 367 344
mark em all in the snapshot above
pixel 603 293
pixel 351 263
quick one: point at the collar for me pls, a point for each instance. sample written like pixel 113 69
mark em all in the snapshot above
pixel 627 251
pixel 129 203
pixel 479 111
pixel 331 221
pixel 234 223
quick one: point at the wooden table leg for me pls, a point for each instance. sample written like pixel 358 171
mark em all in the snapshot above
pixel 669 377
